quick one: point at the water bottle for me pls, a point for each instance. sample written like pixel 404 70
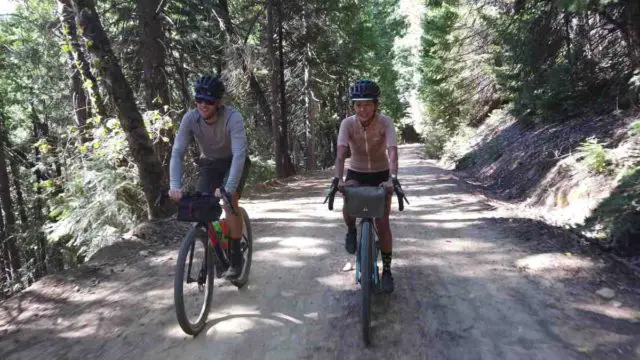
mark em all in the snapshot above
pixel 221 228
pixel 221 234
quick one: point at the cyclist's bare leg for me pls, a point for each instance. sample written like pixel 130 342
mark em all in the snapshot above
pixel 384 233
pixel 235 235
pixel 384 229
pixel 350 241
pixel 348 220
pixel 234 221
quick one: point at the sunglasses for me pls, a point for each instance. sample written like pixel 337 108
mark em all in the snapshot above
pixel 208 102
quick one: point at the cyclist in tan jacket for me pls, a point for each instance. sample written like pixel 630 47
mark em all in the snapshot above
pixel 371 136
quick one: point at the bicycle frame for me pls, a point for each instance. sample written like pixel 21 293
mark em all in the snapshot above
pixel 213 241
pixel 221 260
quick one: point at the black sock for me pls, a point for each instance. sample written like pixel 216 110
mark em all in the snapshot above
pixel 235 246
pixel 386 261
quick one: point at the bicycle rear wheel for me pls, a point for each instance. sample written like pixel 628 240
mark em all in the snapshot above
pixel 366 278
pixel 193 287
pixel 247 250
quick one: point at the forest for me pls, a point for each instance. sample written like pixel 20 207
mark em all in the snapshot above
pixel 92 93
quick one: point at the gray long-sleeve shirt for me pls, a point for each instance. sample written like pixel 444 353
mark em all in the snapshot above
pixel 223 139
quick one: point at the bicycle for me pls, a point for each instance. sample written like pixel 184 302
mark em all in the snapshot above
pixel 205 211
pixel 366 203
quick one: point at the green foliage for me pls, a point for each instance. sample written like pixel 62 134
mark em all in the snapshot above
pixel 459 145
pixel 634 85
pixel 634 129
pixel 261 170
pixel 88 190
pixel 616 221
pixel 457 87
pixel 100 197
pixel 595 156
pixel 440 67
pixel 435 137
pixel 547 64
pixel 550 59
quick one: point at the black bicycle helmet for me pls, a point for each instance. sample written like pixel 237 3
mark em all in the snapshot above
pixel 209 88
pixel 364 90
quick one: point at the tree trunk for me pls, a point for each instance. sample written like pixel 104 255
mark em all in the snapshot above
pixel 153 54
pixel 519 5
pixel 78 94
pixel 80 101
pixel 80 105
pixel 6 258
pixel 41 240
pixel 567 38
pixel 7 208
pixel 184 82
pixel 289 169
pixel 15 174
pixel 149 168
pixel 308 101
pixel 273 66
pixel 222 12
pixel 310 121
pixel 154 79
pixel 632 14
pixel 67 17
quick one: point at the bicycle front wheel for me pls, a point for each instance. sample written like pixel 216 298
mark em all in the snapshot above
pixel 193 287
pixel 366 278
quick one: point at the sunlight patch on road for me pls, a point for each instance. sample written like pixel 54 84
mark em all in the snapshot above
pixel 620 313
pixel 455 245
pixel 288 263
pixel 303 242
pixel 289 248
pixel 160 298
pixel 239 325
pixel 455 217
pixel 552 261
pixel 287 318
pixel 337 281
pixel 299 224
pixel 292 214
pixel 262 205
pixel 278 253
pixel 292 241
pixel 238 322
pixel 83 326
pixel 312 316
pixel 81 332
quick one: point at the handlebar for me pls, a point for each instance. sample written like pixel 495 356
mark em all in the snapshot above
pixel 332 193
pixel 163 196
pixel 397 189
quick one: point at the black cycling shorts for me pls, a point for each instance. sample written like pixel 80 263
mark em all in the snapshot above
pixel 212 174
pixel 368 179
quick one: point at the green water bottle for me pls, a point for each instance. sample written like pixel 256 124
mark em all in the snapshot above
pixel 222 231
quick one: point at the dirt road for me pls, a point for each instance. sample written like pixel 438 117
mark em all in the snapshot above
pixel 473 281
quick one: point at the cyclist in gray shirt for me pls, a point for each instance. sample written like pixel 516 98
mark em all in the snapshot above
pixel 219 132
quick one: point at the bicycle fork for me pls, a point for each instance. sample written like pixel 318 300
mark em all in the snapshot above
pixel 202 273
